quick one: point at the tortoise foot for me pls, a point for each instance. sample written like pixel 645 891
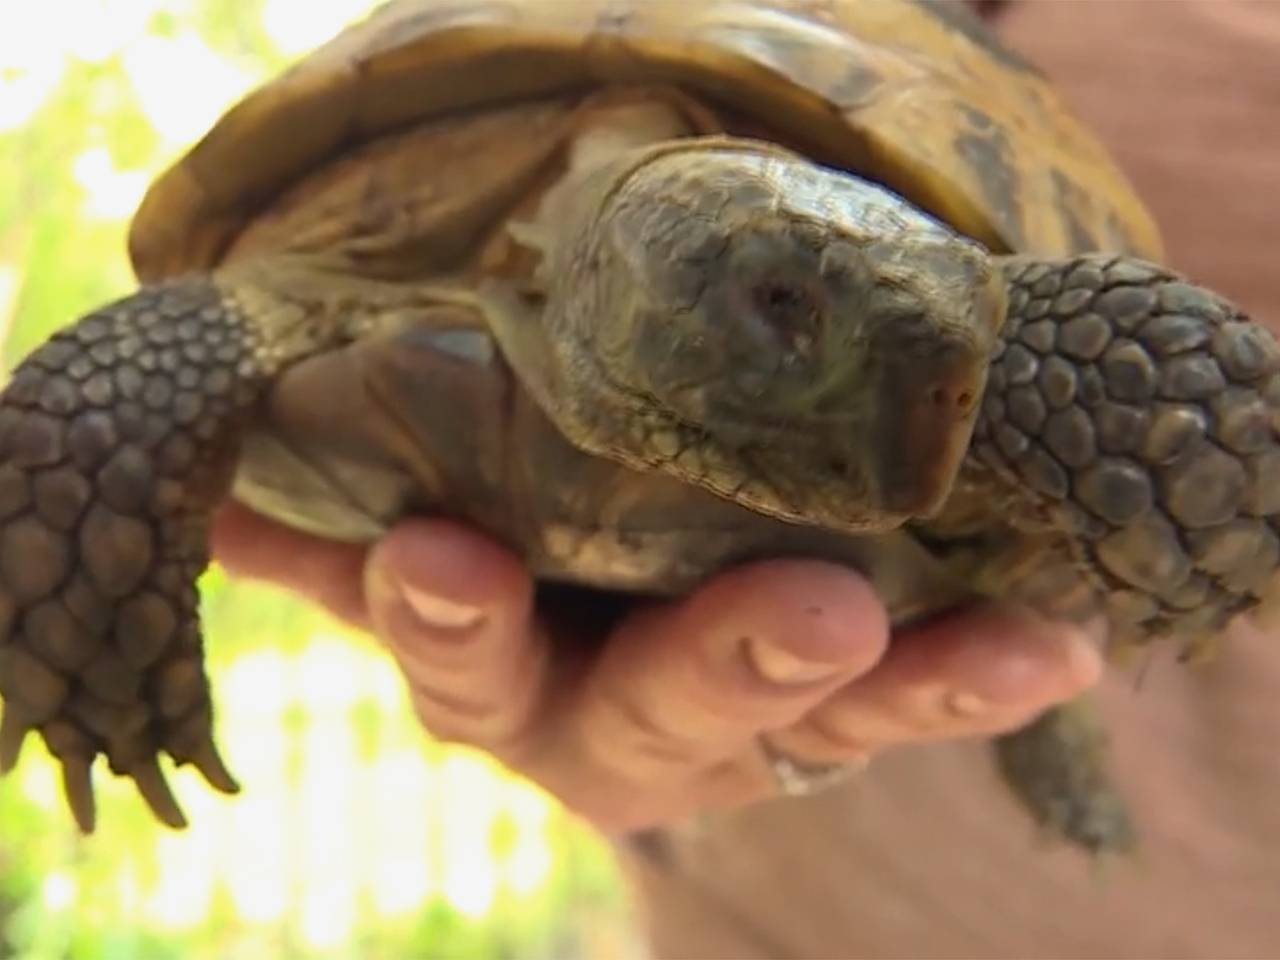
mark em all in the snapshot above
pixel 115 443
pixel 1057 767
pixel 1131 432
pixel 1137 414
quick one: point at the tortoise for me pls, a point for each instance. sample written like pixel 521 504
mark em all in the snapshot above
pixel 644 289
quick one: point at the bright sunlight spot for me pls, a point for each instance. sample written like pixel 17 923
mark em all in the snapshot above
pixel 184 888
pixel 8 295
pixel 324 829
pixel 182 85
pixel 399 828
pixel 40 782
pixel 94 30
pixel 36 39
pixel 296 26
pixel 23 88
pixel 59 891
pixel 32 59
pixel 110 194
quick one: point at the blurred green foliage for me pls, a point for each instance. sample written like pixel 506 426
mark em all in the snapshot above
pixel 83 126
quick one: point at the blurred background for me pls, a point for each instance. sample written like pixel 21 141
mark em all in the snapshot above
pixel 356 836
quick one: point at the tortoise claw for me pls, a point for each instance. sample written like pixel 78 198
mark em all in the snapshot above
pixel 77 786
pixel 209 762
pixel 13 732
pixel 155 790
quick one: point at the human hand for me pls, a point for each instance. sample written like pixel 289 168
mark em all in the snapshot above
pixel 666 717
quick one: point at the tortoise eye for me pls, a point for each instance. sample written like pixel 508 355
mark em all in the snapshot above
pixel 780 296
pixel 789 310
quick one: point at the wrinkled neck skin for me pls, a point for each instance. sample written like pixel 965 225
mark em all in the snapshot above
pixel 799 341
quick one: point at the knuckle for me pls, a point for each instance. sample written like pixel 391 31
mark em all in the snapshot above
pixel 827 735
pixel 495 704
pixel 637 740
pixel 454 718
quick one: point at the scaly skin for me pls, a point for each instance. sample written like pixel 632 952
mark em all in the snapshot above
pixel 112 434
pixel 117 438
pixel 1057 766
pixel 1135 414
pixel 818 342
pixel 1132 415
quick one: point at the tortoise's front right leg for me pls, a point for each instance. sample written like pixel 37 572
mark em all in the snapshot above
pixel 1130 436
pixel 117 438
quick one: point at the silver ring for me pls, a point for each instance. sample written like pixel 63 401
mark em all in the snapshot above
pixel 796 778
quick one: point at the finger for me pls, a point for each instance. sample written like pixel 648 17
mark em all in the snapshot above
pixel 456 611
pixel 684 684
pixel 980 672
pixel 249 545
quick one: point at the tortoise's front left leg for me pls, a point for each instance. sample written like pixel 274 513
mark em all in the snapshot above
pixel 117 438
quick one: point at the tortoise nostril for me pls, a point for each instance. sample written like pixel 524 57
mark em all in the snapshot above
pixel 943 397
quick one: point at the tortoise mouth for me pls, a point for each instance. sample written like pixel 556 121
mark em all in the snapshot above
pixel 927 403
pixel 885 452
pixel 784 468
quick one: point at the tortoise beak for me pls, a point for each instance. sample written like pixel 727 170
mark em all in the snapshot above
pixel 926 418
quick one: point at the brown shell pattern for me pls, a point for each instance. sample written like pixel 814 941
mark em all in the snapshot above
pixel 910 92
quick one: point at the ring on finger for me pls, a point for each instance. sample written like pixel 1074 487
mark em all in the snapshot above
pixel 800 778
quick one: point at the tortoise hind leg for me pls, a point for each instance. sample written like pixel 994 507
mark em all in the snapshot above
pixel 1129 436
pixel 1057 766
pixel 117 438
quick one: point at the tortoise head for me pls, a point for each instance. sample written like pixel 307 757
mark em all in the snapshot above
pixel 792 337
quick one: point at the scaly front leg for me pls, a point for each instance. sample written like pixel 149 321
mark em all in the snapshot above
pixel 117 438
pixel 1130 424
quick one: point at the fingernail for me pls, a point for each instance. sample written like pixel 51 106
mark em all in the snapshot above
pixel 964 703
pixel 1079 647
pixel 782 666
pixel 1084 651
pixel 439 612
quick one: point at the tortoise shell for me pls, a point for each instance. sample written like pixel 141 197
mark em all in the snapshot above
pixel 912 93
